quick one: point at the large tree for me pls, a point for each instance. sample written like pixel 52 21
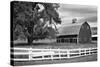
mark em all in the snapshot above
pixel 27 20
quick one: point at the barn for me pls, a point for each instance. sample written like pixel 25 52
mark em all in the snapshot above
pixel 75 33
pixel 94 33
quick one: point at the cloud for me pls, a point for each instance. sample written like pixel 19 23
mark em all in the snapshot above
pixel 81 12
pixel 90 19
pixel 78 8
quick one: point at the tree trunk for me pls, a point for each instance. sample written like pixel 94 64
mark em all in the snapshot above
pixel 30 34
pixel 30 40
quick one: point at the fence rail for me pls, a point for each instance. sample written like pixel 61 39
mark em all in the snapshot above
pixel 52 54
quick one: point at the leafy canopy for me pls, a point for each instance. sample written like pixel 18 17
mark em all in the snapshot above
pixel 27 19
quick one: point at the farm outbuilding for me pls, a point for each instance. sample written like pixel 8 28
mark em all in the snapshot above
pixel 75 33
pixel 94 33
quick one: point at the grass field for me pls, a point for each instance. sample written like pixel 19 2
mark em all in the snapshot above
pixel 56 46
pixel 72 60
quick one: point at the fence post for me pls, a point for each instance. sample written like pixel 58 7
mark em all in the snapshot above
pixel 59 54
pixel 30 53
pixel 90 50
pixel 85 52
pixel 80 51
pixel 43 58
pixel 51 54
pixel 68 53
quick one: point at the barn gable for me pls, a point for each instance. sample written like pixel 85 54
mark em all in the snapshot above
pixel 85 33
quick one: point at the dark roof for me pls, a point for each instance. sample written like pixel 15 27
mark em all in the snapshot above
pixel 64 36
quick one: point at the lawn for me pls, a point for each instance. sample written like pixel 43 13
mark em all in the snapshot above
pixel 72 60
pixel 56 46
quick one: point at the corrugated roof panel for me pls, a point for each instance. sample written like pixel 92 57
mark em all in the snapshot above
pixel 68 30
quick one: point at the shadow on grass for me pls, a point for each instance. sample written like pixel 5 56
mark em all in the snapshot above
pixel 26 44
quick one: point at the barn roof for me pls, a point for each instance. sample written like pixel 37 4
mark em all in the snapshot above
pixel 71 29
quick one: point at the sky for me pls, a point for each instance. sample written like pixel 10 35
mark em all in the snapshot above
pixel 82 12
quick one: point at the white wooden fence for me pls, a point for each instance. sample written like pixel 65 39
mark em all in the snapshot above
pixel 51 54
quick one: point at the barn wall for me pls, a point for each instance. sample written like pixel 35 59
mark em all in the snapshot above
pixel 65 39
pixel 85 33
